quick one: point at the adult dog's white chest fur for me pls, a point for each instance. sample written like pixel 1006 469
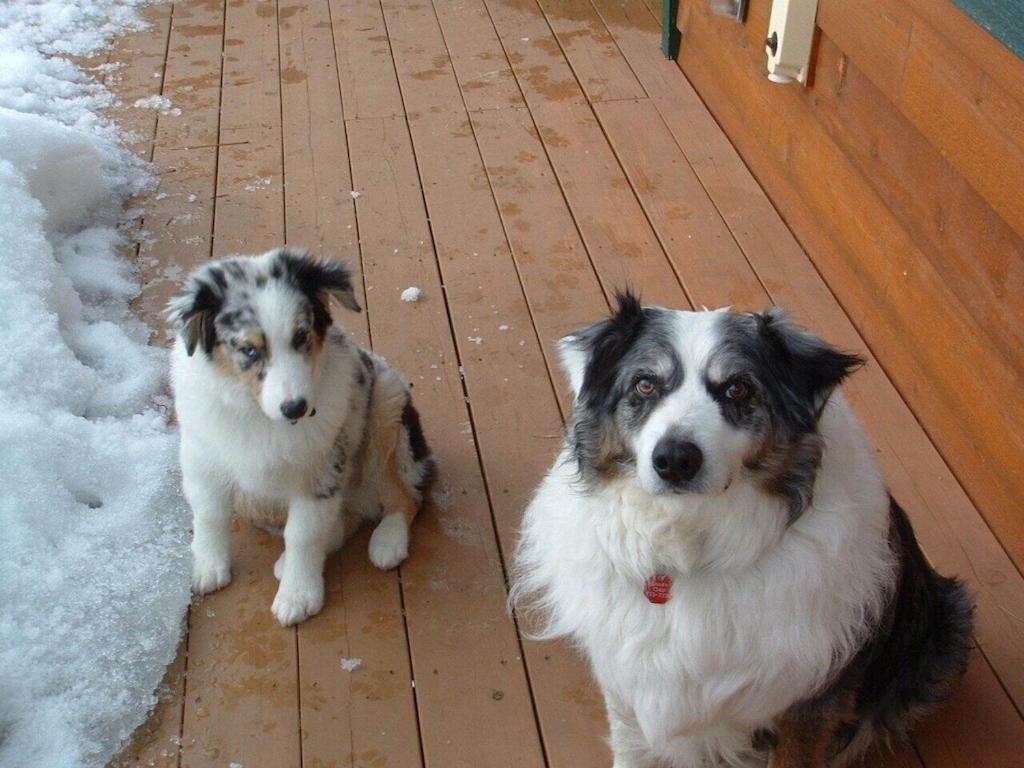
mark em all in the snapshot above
pixel 760 613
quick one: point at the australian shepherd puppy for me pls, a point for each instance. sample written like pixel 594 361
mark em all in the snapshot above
pixel 717 538
pixel 285 420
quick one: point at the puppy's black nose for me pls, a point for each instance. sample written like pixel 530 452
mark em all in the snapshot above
pixel 676 460
pixel 294 409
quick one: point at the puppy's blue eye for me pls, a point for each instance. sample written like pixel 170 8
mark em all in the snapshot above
pixel 250 351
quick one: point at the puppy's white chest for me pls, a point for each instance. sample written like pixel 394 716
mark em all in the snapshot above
pixel 261 459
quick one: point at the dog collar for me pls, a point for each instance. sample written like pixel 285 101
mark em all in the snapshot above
pixel 658 588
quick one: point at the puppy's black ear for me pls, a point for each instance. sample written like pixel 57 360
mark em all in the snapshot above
pixel 195 308
pixel 811 367
pixel 591 355
pixel 320 280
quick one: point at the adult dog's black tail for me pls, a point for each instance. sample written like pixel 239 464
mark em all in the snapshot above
pixel 921 649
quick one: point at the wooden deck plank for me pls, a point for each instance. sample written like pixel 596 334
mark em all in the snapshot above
pixel 320 213
pixel 250 204
pixel 685 219
pixel 616 233
pixel 471 691
pixel 425 73
pixel 365 66
pixel 363 715
pixel 600 68
pixel 481 70
pixel 140 57
pixel 241 694
pixel 561 286
pixel 179 215
pixel 533 52
pixel 241 690
pixel 976 729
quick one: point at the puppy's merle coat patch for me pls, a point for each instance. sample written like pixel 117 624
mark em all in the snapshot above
pixel 284 414
pixel 715 451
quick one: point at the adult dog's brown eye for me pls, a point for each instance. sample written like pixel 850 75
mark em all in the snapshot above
pixel 645 386
pixel 300 338
pixel 737 391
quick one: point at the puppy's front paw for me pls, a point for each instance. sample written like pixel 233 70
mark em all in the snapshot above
pixel 279 567
pixel 209 574
pixel 389 544
pixel 293 605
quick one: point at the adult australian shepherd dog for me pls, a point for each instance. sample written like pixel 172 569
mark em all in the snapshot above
pixel 288 422
pixel 717 538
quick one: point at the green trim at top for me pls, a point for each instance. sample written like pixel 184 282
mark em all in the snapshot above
pixel 670 36
pixel 1004 19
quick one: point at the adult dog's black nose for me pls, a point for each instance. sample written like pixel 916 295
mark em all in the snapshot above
pixel 294 409
pixel 676 460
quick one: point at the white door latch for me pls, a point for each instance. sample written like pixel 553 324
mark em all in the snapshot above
pixel 790 36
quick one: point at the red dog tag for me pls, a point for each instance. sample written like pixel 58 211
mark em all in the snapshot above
pixel 658 588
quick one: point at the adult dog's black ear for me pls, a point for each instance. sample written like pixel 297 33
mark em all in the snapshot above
pixel 803 363
pixel 193 310
pixel 320 280
pixel 590 355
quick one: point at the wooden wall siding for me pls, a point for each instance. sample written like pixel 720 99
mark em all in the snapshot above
pixel 901 170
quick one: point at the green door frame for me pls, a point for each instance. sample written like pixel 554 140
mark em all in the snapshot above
pixel 669 33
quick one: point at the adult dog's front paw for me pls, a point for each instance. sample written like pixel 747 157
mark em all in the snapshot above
pixel 209 574
pixel 295 604
pixel 389 544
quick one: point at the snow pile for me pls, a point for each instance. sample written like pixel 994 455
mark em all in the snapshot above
pixel 93 549
pixel 36 77
pixel 411 294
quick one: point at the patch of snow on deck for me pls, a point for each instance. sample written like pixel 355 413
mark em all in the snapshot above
pixel 162 103
pixel 93 551
pixel 351 665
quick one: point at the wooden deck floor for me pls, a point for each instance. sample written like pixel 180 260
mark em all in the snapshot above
pixel 517 160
